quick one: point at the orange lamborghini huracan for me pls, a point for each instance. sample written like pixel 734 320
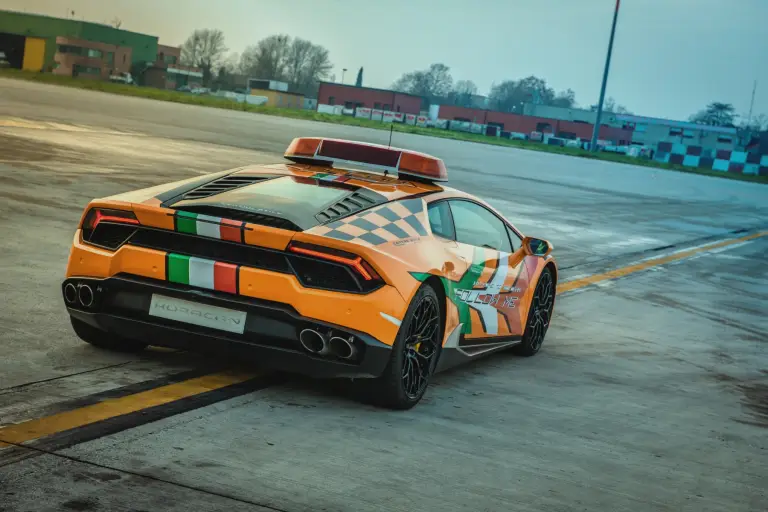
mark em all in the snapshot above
pixel 349 260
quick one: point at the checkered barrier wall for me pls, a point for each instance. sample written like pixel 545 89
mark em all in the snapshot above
pixel 390 222
pixel 724 160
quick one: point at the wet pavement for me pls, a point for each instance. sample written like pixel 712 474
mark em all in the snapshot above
pixel 650 393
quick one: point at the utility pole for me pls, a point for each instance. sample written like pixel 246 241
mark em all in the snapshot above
pixel 751 104
pixel 596 129
pixel 344 70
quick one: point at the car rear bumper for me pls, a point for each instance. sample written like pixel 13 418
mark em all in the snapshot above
pixel 270 336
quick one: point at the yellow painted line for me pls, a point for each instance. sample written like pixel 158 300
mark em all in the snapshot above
pixel 644 265
pixel 38 428
pixel 42 427
pixel 21 123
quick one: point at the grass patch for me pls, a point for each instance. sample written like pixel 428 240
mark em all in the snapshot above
pixel 311 115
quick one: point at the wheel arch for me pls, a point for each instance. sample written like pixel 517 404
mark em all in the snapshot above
pixel 437 284
pixel 552 268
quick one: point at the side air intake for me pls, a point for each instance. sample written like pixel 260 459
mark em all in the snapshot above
pixel 222 185
pixel 353 203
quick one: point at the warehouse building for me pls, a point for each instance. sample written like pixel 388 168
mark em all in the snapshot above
pixel 351 97
pixel 647 131
pixel 78 48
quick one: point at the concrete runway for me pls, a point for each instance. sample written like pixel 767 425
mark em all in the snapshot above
pixel 650 392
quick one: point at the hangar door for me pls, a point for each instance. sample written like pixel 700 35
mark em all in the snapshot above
pixel 34 54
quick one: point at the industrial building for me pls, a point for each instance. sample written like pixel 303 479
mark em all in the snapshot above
pixel 43 43
pixel 646 131
pixel 351 97
pixel 525 124
pixel 71 47
pixel 276 92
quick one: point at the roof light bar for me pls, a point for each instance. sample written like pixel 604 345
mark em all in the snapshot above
pixel 396 160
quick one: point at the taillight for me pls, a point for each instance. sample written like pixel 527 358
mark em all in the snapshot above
pixel 114 227
pixel 355 262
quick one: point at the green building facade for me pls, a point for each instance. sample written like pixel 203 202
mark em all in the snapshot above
pixel 144 47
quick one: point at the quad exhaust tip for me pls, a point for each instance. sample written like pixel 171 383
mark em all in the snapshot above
pixel 342 348
pixel 85 295
pixel 70 293
pixel 314 342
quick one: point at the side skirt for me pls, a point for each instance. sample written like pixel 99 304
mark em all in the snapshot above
pixel 454 354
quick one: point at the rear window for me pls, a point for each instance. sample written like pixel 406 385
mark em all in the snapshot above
pixel 288 190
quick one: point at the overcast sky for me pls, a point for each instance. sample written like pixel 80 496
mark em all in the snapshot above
pixel 671 57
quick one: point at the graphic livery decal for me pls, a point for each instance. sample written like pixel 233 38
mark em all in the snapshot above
pixel 489 300
pixel 208 226
pixel 326 176
pixel 389 222
pixel 202 273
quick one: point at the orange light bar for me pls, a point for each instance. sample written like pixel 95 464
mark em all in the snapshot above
pixel 303 147
pixel 402 161
pixel 356 263
pixel 421 165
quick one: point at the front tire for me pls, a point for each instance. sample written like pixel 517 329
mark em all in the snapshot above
pixel 539 315
pixel 414 354
pixel 105 340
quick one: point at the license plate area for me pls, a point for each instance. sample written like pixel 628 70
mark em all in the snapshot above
pixel 195 313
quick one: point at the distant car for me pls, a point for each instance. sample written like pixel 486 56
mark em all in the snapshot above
pixel 350 260
pixel 4 63
pixel 122 78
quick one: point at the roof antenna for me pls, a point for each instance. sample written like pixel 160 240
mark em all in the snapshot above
pixel 391 127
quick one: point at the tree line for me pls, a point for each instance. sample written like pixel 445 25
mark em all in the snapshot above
pixel 297 61
pixel 436 85
pixel 304 64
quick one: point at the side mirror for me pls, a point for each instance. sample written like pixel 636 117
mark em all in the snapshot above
pixel 536 246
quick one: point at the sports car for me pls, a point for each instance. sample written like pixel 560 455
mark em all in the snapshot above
pixel 348 260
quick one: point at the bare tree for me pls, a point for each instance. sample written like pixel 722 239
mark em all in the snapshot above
pixel 716 114
pixel 434 82
pixel 317 68
pixel 267 58
pixel 297 61
pixel 204 49
pixel 511 95
pixel 299 53
pixel 566 99
pixel 462 92
pixel 116 22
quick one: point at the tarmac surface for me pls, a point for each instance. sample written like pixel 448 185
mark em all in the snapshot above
pixel 651 391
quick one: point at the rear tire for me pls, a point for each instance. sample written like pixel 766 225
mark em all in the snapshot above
pixel 414 354
pixel 105 340
pixel 539 315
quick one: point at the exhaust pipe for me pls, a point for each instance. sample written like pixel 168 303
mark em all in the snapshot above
pixel 70 293
pixel 314 342
pixel 85 295
pixel 342 347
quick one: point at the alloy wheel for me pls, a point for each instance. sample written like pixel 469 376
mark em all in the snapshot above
pixel 421 346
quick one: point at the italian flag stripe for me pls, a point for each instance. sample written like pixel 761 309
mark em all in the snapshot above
pixel 232 230
pixel 209 226
pixel 186 223
pixel 202 273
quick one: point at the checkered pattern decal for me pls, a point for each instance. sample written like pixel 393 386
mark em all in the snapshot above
pixel 725 160
pixel 386 223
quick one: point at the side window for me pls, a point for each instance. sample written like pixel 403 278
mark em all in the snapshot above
pixel 517 242
pixel 440 220
pixel 475 225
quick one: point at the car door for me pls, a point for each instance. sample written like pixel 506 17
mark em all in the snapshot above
pixel 441 225
pixel 488 295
